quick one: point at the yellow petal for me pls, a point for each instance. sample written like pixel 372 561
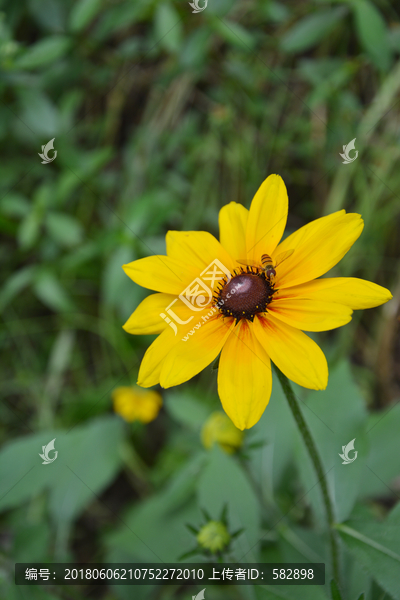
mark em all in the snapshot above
pixel 350 291
pixel 267 218
pixel 318 246
pixel 150 368
pixel 293 352
pixel 183 319
pixel 161 273
pixel 198 249
pixel 147 318
pixel 232 229
pixel 189 357
pixel 244 377
pixel 310 315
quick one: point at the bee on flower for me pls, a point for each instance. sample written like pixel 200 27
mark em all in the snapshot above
pixel 274 292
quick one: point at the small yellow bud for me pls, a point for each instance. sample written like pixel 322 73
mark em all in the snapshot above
pixel 213 536
pixel 136 404
pixel 219 429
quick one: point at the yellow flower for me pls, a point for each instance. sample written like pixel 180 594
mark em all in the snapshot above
pixel 134 404
pixel 219 429
pixel 213 536
pixel 253 316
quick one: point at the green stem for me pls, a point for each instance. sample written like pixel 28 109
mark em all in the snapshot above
pixel 316 460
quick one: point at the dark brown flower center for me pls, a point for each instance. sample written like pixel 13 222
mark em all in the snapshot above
pixel 245 295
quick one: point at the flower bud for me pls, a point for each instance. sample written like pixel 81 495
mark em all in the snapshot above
pixel 219 429
pixel 213 536
pixel 136 404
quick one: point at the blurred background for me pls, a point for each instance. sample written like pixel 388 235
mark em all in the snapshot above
pixel 160 116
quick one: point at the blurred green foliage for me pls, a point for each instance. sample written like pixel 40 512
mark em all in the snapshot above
pixel 160 117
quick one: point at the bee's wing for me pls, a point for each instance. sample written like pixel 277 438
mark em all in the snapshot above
pixel 250 263
pixel 283 256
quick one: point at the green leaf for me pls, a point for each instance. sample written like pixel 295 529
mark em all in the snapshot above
pixel 89 163
pixel 256 445
pixel 372 33
pixel 382 464
pixel 82 13
pixel 206 515
pixel 28 232
pixel 49 14
pixel 31 539
pixel 292 592
pixel 21 474
pixel 15 284
pixel 88 457
pixel 335 416
pixel 115 285
pixel 311 29
pixel 221 8
pixel 195 50
pixel 49 290
pixel 234 34
pixel 192 529
pixel 64 229
pixel 336 595
pixel 277 430
pixel 377 547
pixel 44 52
pixel 189 554
pixel 41 115
pixel 183 485
pixel 156 528
pixel 276 12
pixel 14 205
pixel 236 534
pixel 297 544
pixel 224 514
pixel 185 409
pixel 168 27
